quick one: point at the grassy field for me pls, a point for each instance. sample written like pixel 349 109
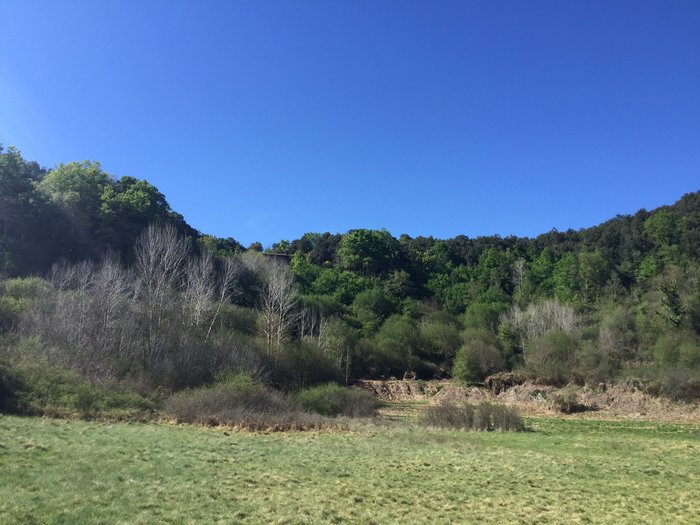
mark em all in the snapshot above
pixel 563 471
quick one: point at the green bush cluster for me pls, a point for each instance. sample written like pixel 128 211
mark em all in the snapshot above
pixel 335 400
pixel 37 387
pixel 244 403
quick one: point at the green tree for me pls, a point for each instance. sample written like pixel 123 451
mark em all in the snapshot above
pixel 398 340
pixel 304 270
pixel 371 307
pixel 594 272
pixel 33 230
pixel 369 252
pixel 79 187
pixel 440 338
pixel 552 357
pixel 341 284
pixel 128 206
pixel 479 357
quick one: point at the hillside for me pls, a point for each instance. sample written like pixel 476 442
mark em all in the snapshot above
pixel 613 301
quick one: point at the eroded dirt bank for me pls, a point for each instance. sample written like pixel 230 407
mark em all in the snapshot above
pixel 603 402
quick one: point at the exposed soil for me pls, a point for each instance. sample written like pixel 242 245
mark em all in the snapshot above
pixel 611 402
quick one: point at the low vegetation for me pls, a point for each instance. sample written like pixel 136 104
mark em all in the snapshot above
pixel 335 400
pixel 467 416
pixel 564 471
pixel 242 403
pixel 567 402
pixel 38 388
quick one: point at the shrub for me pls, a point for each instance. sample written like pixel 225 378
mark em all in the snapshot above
pixel 680 384
pixel 478 358
pixel 440 339
pixel 566 402
pixel 241 403
pixel 689 353
pixel 335 400
pixel 302 365
pixel 37 387
pixel 551 358
pixel 10 310
pixel 239 319
pixel 11 386
pixel 465 416
pixel 398 338
pixel 596 365
pixel 506 419
pixel 667 349
pixel 24 288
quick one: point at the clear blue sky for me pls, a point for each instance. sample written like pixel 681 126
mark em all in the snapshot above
pixel 264 120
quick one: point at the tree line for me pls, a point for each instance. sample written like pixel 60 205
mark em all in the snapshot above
pixel 126 289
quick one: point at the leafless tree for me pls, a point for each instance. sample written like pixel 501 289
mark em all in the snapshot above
pixel 277 302
pixel 162 316
pixel 83 318
pixel 113 321
pixel 228 278
pixel 160 257
pixel 311 323
pixel 538 319
pixel 199 290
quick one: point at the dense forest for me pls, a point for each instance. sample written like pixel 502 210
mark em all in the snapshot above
pixel 100 277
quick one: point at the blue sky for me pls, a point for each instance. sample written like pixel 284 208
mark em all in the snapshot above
pixel 265 120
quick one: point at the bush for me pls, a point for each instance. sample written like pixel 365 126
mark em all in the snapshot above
pixel 680 384
pixel 241 403
pixel 689 354
pixel 239 319
pixel 465 416
pixel 551 358
pixel 335 400
pixel 11 309
pixel 440 339
pixel 24 288
pixel 478 358
pixel 302 365
pixel 39 388
pixel 667 349
pixel 596 365
pixel 566 402
pixel 11 387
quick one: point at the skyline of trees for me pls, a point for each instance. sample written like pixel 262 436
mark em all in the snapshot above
pixel 584 305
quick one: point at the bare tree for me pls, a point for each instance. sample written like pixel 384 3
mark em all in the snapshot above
pixel 539 319
pixel 84 318
pixel 113 320
pixel 310 322
pixel 160 257
pixel 228 277
pixel 277 302
pixel 199 290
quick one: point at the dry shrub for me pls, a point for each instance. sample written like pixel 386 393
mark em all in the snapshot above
pixel 466 416
pixel 566 402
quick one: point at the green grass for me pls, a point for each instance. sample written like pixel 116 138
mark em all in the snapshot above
pixel 563 471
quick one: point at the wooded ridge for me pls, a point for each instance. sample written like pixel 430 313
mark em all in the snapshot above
pixel 102 277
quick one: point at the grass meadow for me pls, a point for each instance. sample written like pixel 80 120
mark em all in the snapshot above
pixel 561 471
